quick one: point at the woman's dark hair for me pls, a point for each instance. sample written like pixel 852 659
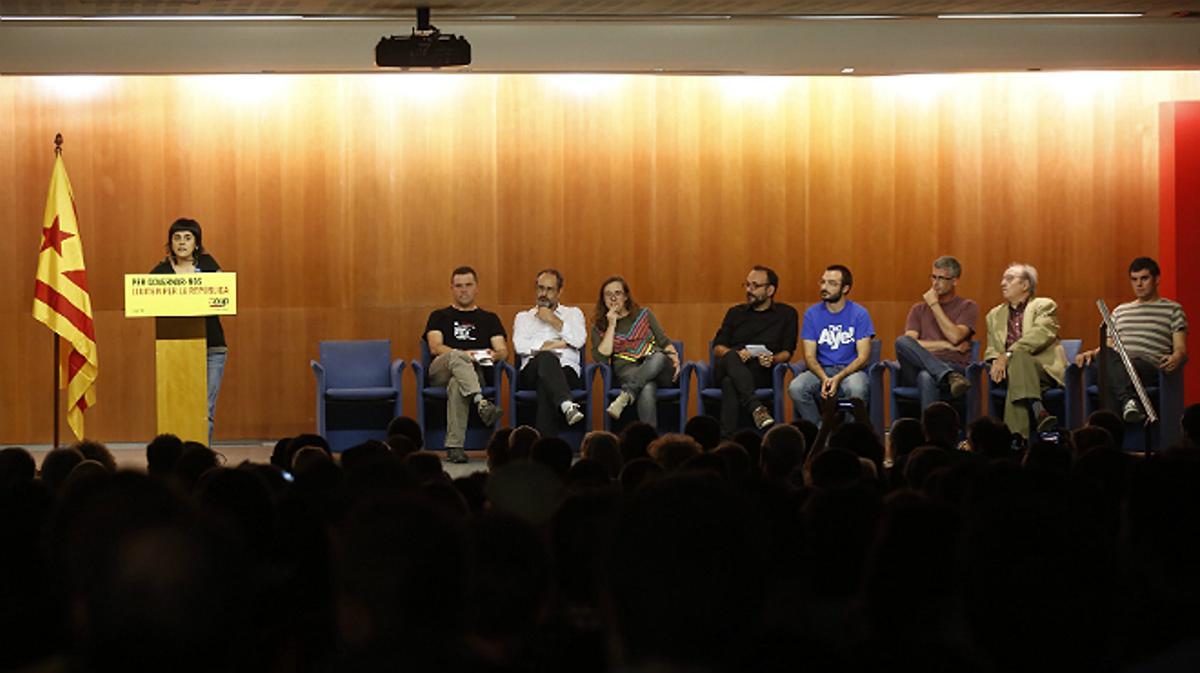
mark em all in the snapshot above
pixel 189 225
pixel 600 316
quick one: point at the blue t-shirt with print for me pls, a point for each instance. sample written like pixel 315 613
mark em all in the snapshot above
pixel 836 333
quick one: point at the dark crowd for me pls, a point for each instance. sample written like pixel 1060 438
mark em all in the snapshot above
pixel 940 549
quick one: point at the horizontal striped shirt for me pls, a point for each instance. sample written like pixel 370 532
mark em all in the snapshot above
pixel 1147 328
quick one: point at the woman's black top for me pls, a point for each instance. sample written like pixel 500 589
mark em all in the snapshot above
pixel 204 263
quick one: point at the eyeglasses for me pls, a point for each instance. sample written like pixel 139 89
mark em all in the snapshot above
pixel 616 294
pixel 935 277
pixel 751 285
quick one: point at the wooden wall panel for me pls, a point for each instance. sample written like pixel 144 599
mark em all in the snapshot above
pixel 344 201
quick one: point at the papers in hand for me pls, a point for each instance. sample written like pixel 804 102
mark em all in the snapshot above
pixel 757 350
pixel 483 358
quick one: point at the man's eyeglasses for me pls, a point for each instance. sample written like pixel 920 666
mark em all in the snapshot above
pixel 751 285
pixel 935 277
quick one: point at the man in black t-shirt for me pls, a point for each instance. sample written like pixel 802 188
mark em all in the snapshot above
pixel 465 342
pixel 753 338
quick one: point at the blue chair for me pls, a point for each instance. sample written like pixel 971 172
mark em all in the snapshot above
pixel 875 397
pixel 522 404
pixel 1166 394
pixel 431 406
pixel 907 399
pixel 710 393
pixel 672 401
pixel 358 391
pixel 1063 401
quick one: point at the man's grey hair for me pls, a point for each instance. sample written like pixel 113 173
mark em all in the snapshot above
pixel 1029 272
pixel 949 263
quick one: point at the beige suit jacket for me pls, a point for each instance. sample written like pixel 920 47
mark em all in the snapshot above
pixel 1039 335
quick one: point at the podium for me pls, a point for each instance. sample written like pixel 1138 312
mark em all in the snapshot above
pixel 180 305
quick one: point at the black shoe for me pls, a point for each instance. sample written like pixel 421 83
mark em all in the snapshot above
pixel 456 455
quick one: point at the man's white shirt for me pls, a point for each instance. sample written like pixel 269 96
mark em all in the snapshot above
pixel 530 332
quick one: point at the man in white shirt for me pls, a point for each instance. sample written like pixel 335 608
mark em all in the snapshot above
pixel 548 339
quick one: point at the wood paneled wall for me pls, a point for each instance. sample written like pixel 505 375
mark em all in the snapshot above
pixel 344 201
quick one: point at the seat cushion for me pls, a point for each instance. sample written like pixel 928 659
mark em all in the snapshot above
pixel 439 393
pixel 371 393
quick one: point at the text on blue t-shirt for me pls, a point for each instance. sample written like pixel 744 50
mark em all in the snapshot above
pixel 836 333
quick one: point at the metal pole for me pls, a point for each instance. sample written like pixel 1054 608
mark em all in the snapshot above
pixel 58 141
pixel 56 382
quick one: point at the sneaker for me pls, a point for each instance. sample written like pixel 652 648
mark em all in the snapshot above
pixel 1132 413
pixel 618 405
pixel 1047 422
pixel 488 411
pixel 456 455
pixel 959 385
pixel 573 414
pixel 762 418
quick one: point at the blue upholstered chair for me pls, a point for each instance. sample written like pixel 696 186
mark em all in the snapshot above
pixel 1062 401
pixel 874 399
pixel 522 404
pixel 358 391
pixel 672 401
pixel 431 406
pixel 905 401
pixel 710 394
pixel 1166 393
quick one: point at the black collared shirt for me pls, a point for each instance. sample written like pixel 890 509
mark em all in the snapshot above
pixel 776 328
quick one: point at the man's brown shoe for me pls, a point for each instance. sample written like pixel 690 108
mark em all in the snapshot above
pixel 959 385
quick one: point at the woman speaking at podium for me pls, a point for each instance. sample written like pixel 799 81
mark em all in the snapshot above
pixel 185 254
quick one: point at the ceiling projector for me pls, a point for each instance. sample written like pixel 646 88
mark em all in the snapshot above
pixel 425 48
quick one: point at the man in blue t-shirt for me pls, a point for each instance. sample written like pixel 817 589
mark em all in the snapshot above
pixel 837 344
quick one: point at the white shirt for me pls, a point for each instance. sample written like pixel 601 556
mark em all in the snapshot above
pixel 530 332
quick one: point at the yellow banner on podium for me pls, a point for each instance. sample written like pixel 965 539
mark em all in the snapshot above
pixel 179 295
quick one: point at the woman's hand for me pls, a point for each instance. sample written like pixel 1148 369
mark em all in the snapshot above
pixel 613 316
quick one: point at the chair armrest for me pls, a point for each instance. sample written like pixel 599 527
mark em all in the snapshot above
pixel 685 387
pixel 777 373
pixel 703 374
pixel 606 374
pixel 1170 405
pixel 319 372
pixel 418 370
pixel 875 408
pixel 397 376
pixel 511 372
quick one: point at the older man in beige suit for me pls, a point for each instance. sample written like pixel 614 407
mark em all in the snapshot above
pixel 1023 347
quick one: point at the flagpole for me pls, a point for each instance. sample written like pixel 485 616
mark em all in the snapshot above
pixel 58 141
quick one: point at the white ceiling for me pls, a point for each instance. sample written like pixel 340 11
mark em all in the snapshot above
pixel 667 36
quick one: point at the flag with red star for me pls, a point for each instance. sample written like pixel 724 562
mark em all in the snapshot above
pixel 61 300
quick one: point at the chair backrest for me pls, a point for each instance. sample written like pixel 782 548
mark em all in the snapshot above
pixel 1071 348
pixel 357 364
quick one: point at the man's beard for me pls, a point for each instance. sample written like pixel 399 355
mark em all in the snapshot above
pixel 755 302
pixel 831 299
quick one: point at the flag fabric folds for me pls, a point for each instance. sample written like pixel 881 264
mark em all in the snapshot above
pixel 61 299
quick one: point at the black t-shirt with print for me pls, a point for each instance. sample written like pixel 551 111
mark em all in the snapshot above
pixel 465 330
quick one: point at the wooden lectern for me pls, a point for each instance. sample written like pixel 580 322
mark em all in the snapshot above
pixel 180 304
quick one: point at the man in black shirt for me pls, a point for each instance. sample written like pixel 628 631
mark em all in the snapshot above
pixel 464 340
pixel 753 338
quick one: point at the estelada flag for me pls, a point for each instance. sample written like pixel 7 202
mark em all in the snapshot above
pixel 61 300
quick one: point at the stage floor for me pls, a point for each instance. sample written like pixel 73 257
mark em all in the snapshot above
pixel 133 456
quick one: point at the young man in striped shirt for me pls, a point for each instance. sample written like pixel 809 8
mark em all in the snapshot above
pixel 1154 331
